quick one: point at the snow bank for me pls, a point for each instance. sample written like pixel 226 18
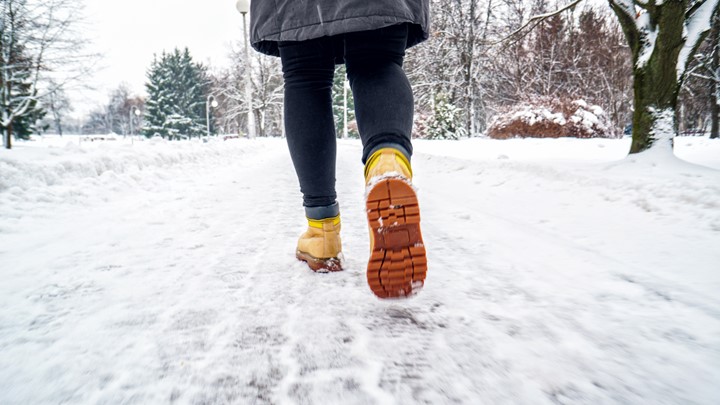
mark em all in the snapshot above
pixel 46 163
pixel 596 150
pixel 52 168
pixel 698 150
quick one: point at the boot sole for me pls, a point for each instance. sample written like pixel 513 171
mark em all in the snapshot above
pixel 397 265
pixel 332 264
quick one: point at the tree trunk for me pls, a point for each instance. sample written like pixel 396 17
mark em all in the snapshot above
pixel 656 32
pixel 656 83
pixel 8 133
pixel 467 60
pixel 715 92
pixel 58 125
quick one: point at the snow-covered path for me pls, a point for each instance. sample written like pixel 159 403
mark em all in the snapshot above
pixel 547 283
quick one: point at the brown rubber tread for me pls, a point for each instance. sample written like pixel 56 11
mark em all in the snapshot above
pixel 397 265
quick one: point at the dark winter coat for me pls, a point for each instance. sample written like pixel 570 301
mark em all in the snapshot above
pixel 298 20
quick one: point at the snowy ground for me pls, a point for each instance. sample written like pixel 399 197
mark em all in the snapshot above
pixel 164 273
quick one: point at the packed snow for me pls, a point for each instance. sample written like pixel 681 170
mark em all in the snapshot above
pixel 560 271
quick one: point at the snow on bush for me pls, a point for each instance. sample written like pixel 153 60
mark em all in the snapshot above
pixel 551 118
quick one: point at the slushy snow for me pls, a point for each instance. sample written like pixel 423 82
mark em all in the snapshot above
pixel 560 272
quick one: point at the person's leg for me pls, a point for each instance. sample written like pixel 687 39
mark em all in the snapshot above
pixel 308 70
pixel 384 109
pixel 383 96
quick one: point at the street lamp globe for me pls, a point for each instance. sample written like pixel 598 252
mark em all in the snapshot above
pixel 133 110
pixel 214 103
pixel 243 6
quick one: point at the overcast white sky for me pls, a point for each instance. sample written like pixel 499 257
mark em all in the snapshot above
pixel 128 32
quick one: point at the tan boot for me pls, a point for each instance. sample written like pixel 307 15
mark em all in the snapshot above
pixel 320 245
pixel 397 265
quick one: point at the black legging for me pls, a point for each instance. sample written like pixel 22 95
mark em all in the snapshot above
pixel 383 101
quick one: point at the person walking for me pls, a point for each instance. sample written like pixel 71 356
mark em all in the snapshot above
pixel 370 37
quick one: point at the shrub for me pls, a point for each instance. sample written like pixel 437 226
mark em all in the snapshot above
pixel 446 122
pixel 551 118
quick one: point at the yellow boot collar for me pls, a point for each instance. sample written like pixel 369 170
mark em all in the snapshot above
pixel 319 223
pixel 399 157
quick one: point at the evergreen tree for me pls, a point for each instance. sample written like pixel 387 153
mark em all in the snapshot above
pixel 156 105
pixel 177 88
pixel 447 121
pixel 30 123
pixel 338 105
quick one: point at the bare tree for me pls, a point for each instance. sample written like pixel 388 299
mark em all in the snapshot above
pixel 267 93
pixel 38 41
pixel 122 114
pixel 57 102
pixel 268 89
pixel 121 108
pixel 222 116
pixel 451 66
pixel 561 54
pixel 228 89
pixel 99 121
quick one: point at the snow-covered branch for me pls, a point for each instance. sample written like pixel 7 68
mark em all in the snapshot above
pixel 37 46
pixel 697 25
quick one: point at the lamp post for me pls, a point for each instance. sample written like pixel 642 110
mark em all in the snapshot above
pixel 243 7
pixel 136 111
pixel 208 104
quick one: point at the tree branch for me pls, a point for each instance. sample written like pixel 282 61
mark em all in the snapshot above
pixel 626 16
pixel 628 9
pixel 535 20
pixel 692 10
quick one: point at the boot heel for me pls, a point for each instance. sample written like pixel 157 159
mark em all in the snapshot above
pixel 320 246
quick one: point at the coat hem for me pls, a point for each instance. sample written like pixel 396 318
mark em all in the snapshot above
pixel 268 43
